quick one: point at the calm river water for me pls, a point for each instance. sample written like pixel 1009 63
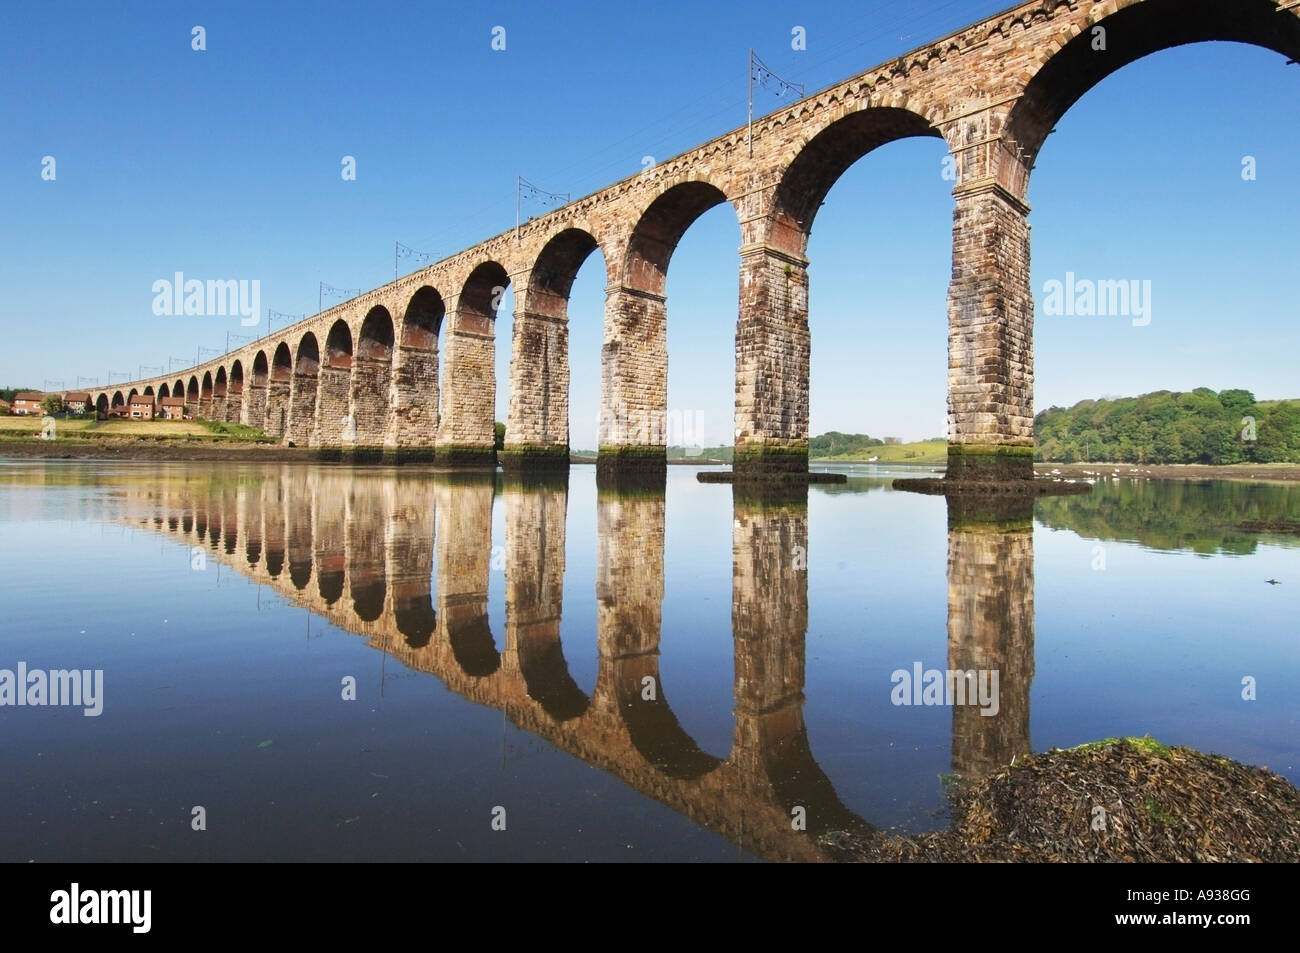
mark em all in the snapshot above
pixel 320 663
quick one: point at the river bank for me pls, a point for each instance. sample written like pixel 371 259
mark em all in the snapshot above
pixel 1131 799
pixel 217 449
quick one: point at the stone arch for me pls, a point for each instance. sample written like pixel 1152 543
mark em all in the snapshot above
pixel 235 392
pixel 277 391
pixel 205 395
pixel 334 424
pixel 164 391
pixel 537 427
pixel 823 159
pixel 148 390
pixel 414 418
pixel 472 645
pixel 102 405
pixel 372 376
pixel 254 406
pixel 634 357
pixel 659 229
pixel 192 391
pixel 1062 74
pixel 302 391
pixel 990 301
pixel 465 428
pixel 220 394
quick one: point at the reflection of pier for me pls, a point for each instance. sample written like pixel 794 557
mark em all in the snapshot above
pixel 358 549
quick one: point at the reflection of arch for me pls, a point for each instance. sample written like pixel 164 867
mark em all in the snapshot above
pixel 472 645
pixel 1135 31
pixel 826 157
pixel 652 727
pixel 798 780
pixel 660 228
pixel 546 675
pixel 415 618
pixel 329 581
pixel 368 596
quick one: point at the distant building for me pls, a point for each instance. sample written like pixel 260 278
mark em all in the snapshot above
pixel 28 403
pixel 76 401
pixel 172 408
pixel 141 407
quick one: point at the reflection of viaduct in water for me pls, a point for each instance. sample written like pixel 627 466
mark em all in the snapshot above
pixel 358 549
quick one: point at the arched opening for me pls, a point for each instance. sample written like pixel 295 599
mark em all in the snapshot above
pixel 164 391
pixel 149 390
pixel 471 399
pixel 302 392
pixel 1135 288
pixel 205 396
pixel 102 406
pixel 235 393
pixel 415 376
pixel 334 423
pixel 255 401
pixel 875 297
pixel 372 375
pixel 220 389
pixel 538 421
pixel 277 391
pixel 643 395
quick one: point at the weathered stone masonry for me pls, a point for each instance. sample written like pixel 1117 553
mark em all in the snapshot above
pixel 993 91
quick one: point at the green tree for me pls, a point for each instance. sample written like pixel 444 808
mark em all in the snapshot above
pixel 52 404
pixel 499 440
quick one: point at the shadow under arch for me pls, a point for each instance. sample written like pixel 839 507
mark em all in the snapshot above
pixel 660 229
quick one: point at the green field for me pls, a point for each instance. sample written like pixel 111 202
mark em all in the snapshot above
pixel 922 452
pixel 156 429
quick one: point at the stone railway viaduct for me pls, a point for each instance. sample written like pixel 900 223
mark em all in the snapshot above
pixel 405 563
pixel 366 374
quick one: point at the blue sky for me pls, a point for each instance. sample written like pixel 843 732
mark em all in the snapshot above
pixel 226 164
